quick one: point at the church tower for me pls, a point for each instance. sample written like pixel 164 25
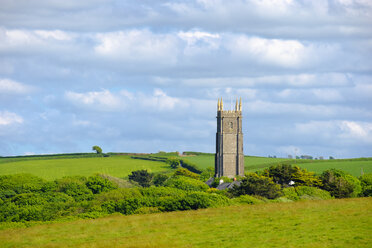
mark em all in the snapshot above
pixel 229 159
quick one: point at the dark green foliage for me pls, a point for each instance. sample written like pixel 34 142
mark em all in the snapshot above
pixel 366 183
pixel 98 184
pixel 306 193
pixel 194 200
pixel 339 184
pixel 97 149
pixel 284 173
pixel 173 162
pixel 142 177
pixel 186 173
pixel 159 179
pixel 254 184
pixel 186 183
pixel 281 173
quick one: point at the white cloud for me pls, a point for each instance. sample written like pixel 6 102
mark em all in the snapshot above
pixel 9 118
pixel 160 101
pixel 337 131
pixel 301 80
pixel 138 46
pixel 124 100
pixel 8 86
pixel 286 53
pixel 99 100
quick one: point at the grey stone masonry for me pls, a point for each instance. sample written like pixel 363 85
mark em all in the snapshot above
pixel 229 158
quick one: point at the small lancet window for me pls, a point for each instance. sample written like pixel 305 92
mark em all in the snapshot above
pixel 231 125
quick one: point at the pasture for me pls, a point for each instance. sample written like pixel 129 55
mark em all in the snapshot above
pixel 252 164
pixel 118 166
pixel 327 223
pixel 56 166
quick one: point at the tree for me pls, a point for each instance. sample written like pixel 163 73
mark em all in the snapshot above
pixel 173 162
pixel 340 184
pixel 366 183
pixel 254 184
pixel 97 149
pixel 142 177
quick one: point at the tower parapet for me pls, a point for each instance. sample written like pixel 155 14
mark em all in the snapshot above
pixel 229 158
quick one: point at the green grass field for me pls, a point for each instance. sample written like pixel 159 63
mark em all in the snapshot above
pixel 328 223
pixel 252 164
pixel 118 166
pixel 57 166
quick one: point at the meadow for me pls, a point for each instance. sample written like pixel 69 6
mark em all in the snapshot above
pixel 327 223
pixel 353 166
pixel 118 166
pixel 56 166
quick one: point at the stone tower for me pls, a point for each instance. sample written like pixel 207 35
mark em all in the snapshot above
pixel 229 160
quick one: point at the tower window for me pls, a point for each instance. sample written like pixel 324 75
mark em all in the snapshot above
pixel 231 125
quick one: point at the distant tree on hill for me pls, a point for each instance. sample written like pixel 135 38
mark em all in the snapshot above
pixel 97 149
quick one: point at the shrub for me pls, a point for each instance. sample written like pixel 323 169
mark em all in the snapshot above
pixel 142 177
pixel 186 173
pixel 98 184
pixel 21 183
pixel 254 184
pixel 339 184
pixel 284 173
pixel 173 162
pixel 128 206
pixel 366 183
pixel 246 199
pixel 306 193
pixel 186 183
pixel 159 179
pixel 302 177
pixel 75 187
pixel 281 173
pixel 193 200
pixel 206 174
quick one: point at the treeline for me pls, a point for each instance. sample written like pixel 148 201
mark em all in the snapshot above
pixel 25 197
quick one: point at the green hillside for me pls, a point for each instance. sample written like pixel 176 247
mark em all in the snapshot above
pixel 328 223
pixel 118 166
pixel 252 164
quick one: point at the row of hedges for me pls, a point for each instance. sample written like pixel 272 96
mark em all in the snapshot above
pixel 175 162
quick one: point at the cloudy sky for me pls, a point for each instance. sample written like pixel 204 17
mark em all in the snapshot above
pixel 144 76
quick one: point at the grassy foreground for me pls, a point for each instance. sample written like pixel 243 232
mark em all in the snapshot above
pixel 328 223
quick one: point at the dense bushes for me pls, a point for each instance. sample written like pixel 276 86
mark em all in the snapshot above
pixel 25 197
pixel 283 174
pixel 306 193
pixel 340 184
pixel 186 183
pixel 366 183
pixel 254 184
